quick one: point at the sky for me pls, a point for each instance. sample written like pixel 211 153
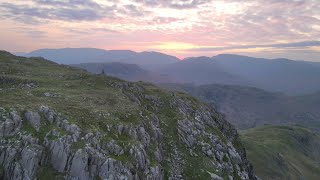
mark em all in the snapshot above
pixel 183 28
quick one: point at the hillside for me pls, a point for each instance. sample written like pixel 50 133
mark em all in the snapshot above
pixel 201 70
pixel 276 75
pixel 283 152
pixel 129 72
pixel 59 122
pixel 247 107
pixel 283 75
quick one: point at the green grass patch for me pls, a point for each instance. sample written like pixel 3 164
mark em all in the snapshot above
pixel 78 145
pixel 49 173
pixel 283 152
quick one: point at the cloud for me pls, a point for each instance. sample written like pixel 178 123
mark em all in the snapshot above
pixel 210 25
pixel 185 4
pixel 105 30
pixel 68 10
pixel 133 10
pixel 36 34
pixel 69 3
pixel 72 12
pixel 30 32
pixel 165 20
pixel 281 45
pixel 175 4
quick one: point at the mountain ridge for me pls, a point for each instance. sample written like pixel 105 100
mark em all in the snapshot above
pixel 280 75
pixel 84 55
pixel 60 122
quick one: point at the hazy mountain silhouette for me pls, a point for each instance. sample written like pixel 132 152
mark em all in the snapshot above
pixel 201 70
pixel 87 55
pixel 293 77
pixel 279 75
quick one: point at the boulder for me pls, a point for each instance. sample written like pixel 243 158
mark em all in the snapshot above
pixel 10 125
pixel 34 119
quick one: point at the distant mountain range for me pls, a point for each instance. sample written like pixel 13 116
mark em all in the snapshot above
pixel 201 70
pixel 88 55
pixel 293 77
pixel 278 75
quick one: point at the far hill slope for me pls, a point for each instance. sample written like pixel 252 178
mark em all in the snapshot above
pixel 288 76
pixel 277 75
pixel 201 70
pixel 283 152
pixel 129 72
pixel 60 122
pixel 89 55
pixel 247 107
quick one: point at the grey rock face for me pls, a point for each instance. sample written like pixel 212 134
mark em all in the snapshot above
pixel 215 177
pixel 113 148
pixel 79 165
pixel 139 154
pixel 20 160
pixel 49 114
pixel 60 152
pixel 30 160
pixel 112 169
pixel 123 151
pixel 10 123
pixel 34 119
pixel 144 136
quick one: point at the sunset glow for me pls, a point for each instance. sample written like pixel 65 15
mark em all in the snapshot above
pixel 178 46
pixel 180 27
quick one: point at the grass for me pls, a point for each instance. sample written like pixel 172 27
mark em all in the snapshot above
pixel 48 173
pixel 44 129
pixel 81 95
pixel 283 152
pixel 1 172
pixel 78 145
pixel 94 103
pixel 215 130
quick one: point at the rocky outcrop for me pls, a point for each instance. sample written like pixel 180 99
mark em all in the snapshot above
pixel 145 150
pixel 10 123
pixel 34 119
pixel 98 127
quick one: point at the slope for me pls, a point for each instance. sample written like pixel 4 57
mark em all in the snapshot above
pixel 247 107
pixel 283 75
pixel 201 70
pixel 61 122
pixel 129 72
pixel 276 75
pixel 283 152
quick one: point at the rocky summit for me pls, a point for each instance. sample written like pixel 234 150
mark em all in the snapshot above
pixel 59 122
